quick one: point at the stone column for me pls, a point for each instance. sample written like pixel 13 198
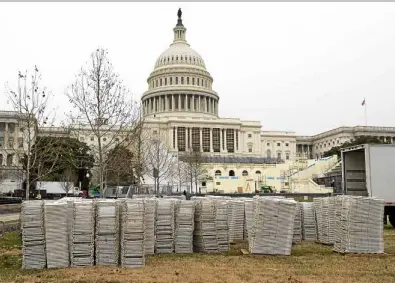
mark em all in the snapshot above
pixel 225 148
pixel 201 139
pixel 172 103
pixel 211 140
pixel 220 140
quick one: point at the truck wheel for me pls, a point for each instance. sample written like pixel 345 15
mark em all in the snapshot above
pixel 391 218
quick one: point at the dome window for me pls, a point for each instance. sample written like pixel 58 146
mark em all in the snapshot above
pixel 231 173
pixel 182 80
pixel 160 82
pixel 198 81
pixel 193 81
pixel 258 172
pixel 176 80
pixel 171 80
pixel 244 173
pixel 187 80
pixel 168 59
pixel 177 58
pixel 165 81
pixel 218 173
pixel 194 60
pixel 172 58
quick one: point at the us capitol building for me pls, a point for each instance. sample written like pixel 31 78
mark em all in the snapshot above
pixel 182 108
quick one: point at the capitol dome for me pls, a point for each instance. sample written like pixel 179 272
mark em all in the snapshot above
pixel 180 85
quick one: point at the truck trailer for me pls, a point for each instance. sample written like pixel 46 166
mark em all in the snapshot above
pixel 369 170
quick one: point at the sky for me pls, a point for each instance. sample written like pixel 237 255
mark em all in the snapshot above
pixel 302 67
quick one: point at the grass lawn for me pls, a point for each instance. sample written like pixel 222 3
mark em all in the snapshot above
pixel 309 262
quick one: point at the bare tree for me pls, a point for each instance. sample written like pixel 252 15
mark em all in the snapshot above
pixel 31 102
pixel 180 173
pixel 160 163
pixel 195 167
pixel 104 110
pixel 68 179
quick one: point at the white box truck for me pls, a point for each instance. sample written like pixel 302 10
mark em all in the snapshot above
pixel 369 170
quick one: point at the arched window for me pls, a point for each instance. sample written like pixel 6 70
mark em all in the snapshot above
pixel 182 80
pixel 187 80
pixel 193 81
pixel 268 153
pixel 231 173
pixel 171 80
pixel 218 173
pixel 244 173
pixel 258 172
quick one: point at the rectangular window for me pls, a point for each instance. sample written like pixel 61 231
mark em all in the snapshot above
pixel 268 144
pixel 92 138
pixel 250 149
pixel 171 80
pixel 182 80
pixel 11 128
pixel 216 140
pixel 195 139
pixel 287 156
pixel 176 80
pixel 10 158
pixel 278 155
pixel 10 142
pixel 20 142
pixel 249 136
pixel 278 144
pixel 287 144
pixel 230 140
pixel 187 80
pixel 181 138
pixel 206 139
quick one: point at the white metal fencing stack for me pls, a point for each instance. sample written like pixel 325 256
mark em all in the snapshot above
pixel 236 220
pixel 297 233
pixel 308 222
pixel 205 233
pixel 272 228
pixel 359 226
pixel 56 234
pixel 33 240
pixel 82 244
pixel 107 232
pixel 184 226
pixel 164 226
pixel 249 216
pixel 132 233
pixel 325 217
pixel 221 224
pixel 149 232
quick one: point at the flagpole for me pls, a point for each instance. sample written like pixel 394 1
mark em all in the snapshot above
pixel 366 117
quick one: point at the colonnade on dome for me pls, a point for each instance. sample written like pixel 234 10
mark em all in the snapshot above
pixel 176 102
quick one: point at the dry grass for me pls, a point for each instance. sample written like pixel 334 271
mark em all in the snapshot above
pixel 309 263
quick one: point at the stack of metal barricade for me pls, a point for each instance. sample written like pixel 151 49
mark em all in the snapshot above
pixel 82 243
pixel 132 233
pixel 184 226
pixel 56 234
pixel 107 232
pixel 33 240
